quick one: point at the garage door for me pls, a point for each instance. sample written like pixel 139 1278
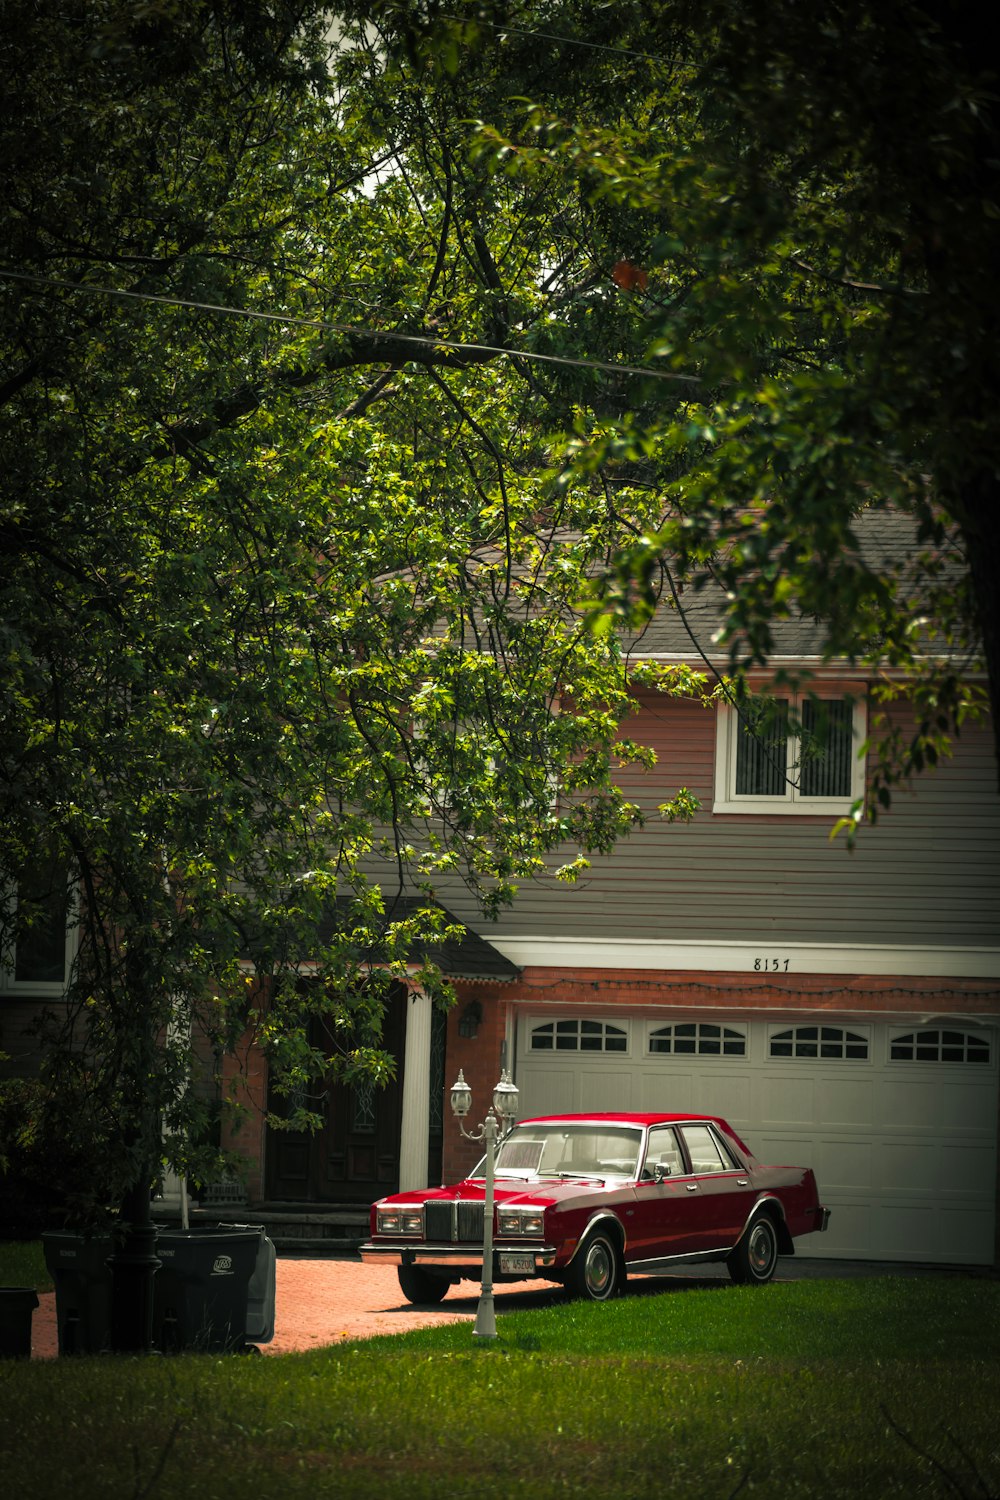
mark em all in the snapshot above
pixel 899 1122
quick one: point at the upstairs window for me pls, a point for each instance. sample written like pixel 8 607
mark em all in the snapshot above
pixel 789 755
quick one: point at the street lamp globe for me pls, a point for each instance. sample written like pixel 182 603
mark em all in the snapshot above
pixel 461 1097
pixel 505 1100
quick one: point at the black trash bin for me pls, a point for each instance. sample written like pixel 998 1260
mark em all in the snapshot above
pixel 78 1264
pixel 17 1304
pixel 201 1290
pixel 261 1291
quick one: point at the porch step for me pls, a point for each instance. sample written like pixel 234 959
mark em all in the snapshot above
pixel 298 1229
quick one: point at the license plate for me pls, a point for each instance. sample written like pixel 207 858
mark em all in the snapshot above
pixel 513 1265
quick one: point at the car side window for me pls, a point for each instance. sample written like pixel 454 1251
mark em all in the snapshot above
pixel 663 1155
pixel 703 1150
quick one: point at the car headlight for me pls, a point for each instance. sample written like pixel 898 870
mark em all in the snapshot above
pixel 521 1221
pixel 399 1220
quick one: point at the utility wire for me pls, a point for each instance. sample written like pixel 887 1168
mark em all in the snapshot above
pixel 506 28
pixel 325 325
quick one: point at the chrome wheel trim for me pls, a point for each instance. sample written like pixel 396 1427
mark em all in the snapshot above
pixel 762 1248
pixel 599 1269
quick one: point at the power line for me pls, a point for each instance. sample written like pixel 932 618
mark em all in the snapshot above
pixel 507 28
pixel 325 325
pixel 549 36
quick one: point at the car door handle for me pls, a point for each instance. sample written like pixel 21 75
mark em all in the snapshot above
pixel 692 1187
pixel 742 1182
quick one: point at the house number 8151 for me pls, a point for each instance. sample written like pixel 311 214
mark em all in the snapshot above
pixel 767 965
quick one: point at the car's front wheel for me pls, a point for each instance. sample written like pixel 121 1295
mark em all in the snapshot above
pixel 421 1286
pixel 596 1273
pixel 755 1257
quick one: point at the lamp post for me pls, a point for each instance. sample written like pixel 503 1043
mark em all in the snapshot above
pixel 499 1118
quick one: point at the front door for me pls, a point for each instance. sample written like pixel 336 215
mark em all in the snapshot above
pixel 354 1155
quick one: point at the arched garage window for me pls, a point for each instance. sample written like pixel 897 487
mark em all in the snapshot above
pixel 826 1042
pixel 578 1036
pixel 936 1044
pixel 703 1038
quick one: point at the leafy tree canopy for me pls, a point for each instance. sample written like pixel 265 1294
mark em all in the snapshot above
pixel 289 608
pixel 342 355
pixel 800 205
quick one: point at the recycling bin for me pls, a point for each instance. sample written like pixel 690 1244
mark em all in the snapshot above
pixel 78 1265
pixel 17 1304
pixel 201 1290
pixel 261 1291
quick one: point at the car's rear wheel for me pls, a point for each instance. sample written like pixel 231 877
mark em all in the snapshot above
pixel 755 1257
pixel 421 1286
pixel 597 1272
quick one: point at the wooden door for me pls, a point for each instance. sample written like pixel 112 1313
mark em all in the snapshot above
pixel 354 1156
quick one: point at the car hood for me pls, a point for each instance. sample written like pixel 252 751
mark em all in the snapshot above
pixel 539 1192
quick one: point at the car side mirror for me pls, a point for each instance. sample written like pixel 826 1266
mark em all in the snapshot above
pixel 660 1170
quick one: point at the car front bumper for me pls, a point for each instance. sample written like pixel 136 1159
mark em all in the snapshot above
pixel 511 1260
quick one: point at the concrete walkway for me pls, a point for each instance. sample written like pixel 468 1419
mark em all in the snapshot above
pixel 325 1301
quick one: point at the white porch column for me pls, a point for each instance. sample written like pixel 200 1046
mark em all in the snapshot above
pixel 173 1196
pixel 416 1124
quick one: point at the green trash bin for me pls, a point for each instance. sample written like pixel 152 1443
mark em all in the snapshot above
pixel 17 1304
pixel 78 1264
pixel 201 1289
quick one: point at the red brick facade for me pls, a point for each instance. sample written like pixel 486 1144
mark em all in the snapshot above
pixel 480 1059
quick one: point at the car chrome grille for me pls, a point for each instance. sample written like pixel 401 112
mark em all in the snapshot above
pixel 437 1221
pixel 470 1222
pixel 454 1221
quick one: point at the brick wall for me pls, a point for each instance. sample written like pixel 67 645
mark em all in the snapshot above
pixel 244 1086
pixel 480 1059
pixel 884 994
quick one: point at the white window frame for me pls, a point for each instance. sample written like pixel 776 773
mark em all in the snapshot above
pixel 791 802
pixel 848 1034
pixel 48 988
pixel 920 1036
pixel 727 1034
pixel 618 1026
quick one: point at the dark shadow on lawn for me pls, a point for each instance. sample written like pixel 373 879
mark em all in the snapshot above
pixel 702 1278
pixel 549 1294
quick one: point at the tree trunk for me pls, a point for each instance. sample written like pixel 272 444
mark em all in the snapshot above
pixel 133 1262
pixel 133 1266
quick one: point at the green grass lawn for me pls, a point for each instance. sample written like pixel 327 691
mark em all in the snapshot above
pixel 882 1387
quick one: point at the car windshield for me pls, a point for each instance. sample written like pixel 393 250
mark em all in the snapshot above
pixel 568 1149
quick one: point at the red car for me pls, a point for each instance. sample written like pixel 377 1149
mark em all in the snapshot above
pixel 585 1199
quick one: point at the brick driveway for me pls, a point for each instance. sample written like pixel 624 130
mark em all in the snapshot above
pixel 321 1302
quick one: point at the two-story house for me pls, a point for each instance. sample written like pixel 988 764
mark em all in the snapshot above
pixel 840 1007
